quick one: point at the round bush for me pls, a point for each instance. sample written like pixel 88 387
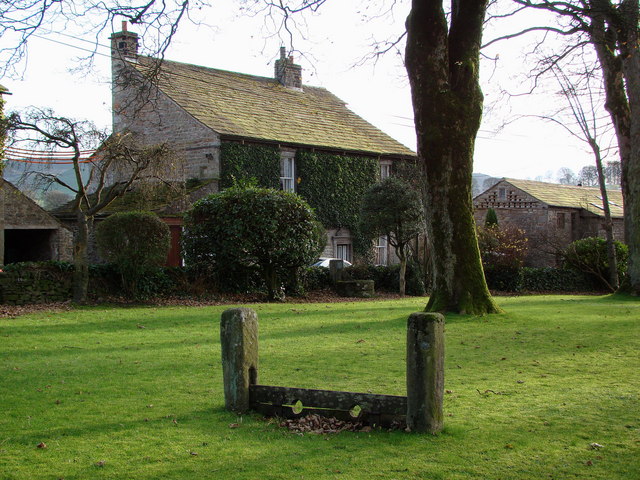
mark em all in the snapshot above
pixel 262 229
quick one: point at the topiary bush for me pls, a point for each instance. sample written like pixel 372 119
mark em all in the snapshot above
pixel 253 229
pixel 589 255
pixel 137 243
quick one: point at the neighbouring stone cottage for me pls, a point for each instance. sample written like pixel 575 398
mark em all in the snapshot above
pixel 551 215
pixel 30 232
pixel 229 126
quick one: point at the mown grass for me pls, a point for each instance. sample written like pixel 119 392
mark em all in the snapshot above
pixel 137 393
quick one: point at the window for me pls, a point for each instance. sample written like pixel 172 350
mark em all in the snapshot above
pixel 382 251
pixel 502 193
pixel 343 251
pixel 287 172
pixel 385 169
pixel 560 220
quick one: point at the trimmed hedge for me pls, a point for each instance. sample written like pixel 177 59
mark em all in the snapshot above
pixel 531 279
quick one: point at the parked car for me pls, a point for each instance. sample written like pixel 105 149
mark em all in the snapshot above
pixel 324 262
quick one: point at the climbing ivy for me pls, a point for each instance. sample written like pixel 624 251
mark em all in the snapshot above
pixel 244 161
pixel 334 186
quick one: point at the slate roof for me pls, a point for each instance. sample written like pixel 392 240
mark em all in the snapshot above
pixel 242 106
pixel 571 196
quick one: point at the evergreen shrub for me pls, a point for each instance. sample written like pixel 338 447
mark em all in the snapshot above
pixel 137 243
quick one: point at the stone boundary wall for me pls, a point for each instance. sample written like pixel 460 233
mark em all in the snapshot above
pixel 41 287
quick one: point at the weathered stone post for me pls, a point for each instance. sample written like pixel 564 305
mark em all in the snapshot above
pixel 425 372
pixel 336 269
pixel 239 342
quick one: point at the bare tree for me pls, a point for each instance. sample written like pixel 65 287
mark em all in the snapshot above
pixel 566 176
pixel 588 176
pixel 442 58
pixel 116 157
pixel 582 106
pixel 613 172
pixel 20 20
pixel 611 28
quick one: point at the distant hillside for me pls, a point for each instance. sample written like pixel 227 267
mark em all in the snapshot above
pixel 481 182
pixel 25 178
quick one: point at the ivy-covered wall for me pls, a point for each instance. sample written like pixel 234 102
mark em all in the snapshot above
pixel 334 184
pixel 243 161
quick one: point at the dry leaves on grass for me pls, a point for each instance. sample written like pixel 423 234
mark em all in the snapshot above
pixel 12 311
pixel 316 424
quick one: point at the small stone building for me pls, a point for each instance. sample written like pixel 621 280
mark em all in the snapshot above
pixel 200 111
pixel 30 232
pixel 551 215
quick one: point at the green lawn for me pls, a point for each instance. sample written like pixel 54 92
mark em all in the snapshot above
pixel 136 393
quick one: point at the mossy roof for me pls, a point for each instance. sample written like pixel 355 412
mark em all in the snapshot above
pixel 243 106
pixel 570 196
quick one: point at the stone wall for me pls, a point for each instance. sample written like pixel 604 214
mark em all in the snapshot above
pixel 156 118
pixel 23 289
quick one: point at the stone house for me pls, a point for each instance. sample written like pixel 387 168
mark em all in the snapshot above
pixel 551 215
pixel 206 115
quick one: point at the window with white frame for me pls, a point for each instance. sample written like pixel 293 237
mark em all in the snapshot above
pixel 385 169
pixel 382 251
pixel 287 172
pixel 343 251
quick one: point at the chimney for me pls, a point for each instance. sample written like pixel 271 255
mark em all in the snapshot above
pixel 288 73
pixel 124 44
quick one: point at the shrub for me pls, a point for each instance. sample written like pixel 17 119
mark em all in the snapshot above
pixel 503 278
pixel 137 243
pixel 502 246
pixel 589 255
pixel 547 279
pixel 253 229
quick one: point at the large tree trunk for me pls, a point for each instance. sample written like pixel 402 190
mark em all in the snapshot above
pixel 81 259
pixel 614 29
pixel 443 69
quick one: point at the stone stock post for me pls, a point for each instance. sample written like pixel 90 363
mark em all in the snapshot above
pixel 239 345
pixel 425 372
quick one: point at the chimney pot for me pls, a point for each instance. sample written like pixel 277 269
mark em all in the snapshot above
pixel 124 25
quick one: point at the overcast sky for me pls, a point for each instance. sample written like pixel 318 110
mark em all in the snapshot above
pixel 335 40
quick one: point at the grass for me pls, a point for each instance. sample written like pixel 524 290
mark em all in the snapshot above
pixel 136 393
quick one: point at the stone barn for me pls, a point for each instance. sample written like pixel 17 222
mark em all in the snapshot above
pixel 30 232
pixel 551 215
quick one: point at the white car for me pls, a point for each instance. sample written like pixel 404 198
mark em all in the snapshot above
pixel 324 262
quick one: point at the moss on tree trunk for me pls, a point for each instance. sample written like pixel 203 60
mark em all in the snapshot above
pixel 443 65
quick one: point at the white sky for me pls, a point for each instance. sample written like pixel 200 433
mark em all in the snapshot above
pixel 336 40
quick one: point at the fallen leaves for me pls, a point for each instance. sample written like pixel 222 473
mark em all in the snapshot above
pixel 316 424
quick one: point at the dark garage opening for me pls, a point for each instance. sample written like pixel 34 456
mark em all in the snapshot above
pixel 28 245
